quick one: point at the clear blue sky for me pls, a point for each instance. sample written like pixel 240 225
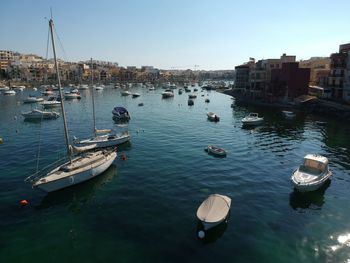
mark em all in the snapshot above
pixel 179 33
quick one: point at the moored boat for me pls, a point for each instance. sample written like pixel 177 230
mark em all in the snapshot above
pixel 51 102
pixel 213 116
pixel 32 99
pixel 214 210
pixel 120 113
pixel 135 95
pixel 288 114
pixel 216 151
pixel 125 93
pixel 39 115
pixel 252 119
pixel 167 94
pixel 9 92
pixel 312 174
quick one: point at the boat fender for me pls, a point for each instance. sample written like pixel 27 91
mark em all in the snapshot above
pixel 1 140
pixel 71 179
pixel 201 234
pixel 24 202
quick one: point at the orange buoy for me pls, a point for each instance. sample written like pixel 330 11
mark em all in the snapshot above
pixel 24 202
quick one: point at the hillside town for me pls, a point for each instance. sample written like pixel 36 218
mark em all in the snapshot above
pixel 33 70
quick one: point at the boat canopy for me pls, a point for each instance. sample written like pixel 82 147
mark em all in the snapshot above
pixel 120 110
pixel 214 209
pixel 316 162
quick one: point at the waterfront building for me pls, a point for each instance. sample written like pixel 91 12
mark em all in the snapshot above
pixel 337 73
pixel 6 57
pixel 289 81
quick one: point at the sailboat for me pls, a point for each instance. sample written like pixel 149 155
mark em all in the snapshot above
pixel 100 141
pixel 79 168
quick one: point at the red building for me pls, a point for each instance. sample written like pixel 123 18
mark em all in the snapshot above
pixel 290 81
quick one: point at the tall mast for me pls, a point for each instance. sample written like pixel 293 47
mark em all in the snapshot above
pixel 93 99
pixel 60 90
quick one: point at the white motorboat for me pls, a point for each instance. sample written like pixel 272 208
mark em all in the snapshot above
pixel 288 114
pixel 19 88
pixel 135 95
pixel 72 95
pixel 152 88
pixel 32 99
pixel 213 116
pixel 48 91
pixel 51 103
pixel 40 115
pixel 214 210
pixel 216 151
pixel 125 93
pixel 4 88
pixel 167 94
pixel 312 174
pixel 120 113
pixel 9 92
pixel 101 87
pixel 79 168
pixel 83 87
pixel 252 119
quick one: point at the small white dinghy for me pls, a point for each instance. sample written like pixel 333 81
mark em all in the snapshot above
pixel 214 210
pixel 288 114
pixel 312 174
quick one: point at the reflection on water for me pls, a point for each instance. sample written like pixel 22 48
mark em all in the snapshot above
pixel 212 234
pixel 310 200
pixel 80 194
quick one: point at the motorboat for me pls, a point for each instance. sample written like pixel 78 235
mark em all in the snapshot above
pixel 9 92
pixel 135 95
pixel 252 119
pixel 32 99
pixel 180 91
pixel 51 102
pixel 83 87
pixel 216 151
pixel 39 115
pixel 152 88
pixel 192 96
pixel 120 113
pixel 288 114
pixel 190 102
pixel 19 88
pixel 72 95
pixel 312 174
pixel 195 89
pixel 78 168
pixel 172 86
pixel 214 210
pixel 48 91
pixel 187 90
pixel 125 93
pixel 140 104
pixel 213 116
pixel 167 94
pixel 101 87
pixel 207 100
pixel 4 88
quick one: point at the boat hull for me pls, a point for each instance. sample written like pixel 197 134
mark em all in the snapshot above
pixel 311 186
pixel 105 142
pixel 76 178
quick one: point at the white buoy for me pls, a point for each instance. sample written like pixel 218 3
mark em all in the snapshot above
pixel 201 234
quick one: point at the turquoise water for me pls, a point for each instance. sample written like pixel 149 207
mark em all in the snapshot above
pixel 143 209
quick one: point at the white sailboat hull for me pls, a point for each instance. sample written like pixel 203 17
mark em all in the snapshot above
pixel 77 177
pixel 105 141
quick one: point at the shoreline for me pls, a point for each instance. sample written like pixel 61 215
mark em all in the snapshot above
pixel 316 106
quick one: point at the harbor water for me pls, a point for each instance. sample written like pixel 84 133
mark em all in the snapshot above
pixel 143 209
